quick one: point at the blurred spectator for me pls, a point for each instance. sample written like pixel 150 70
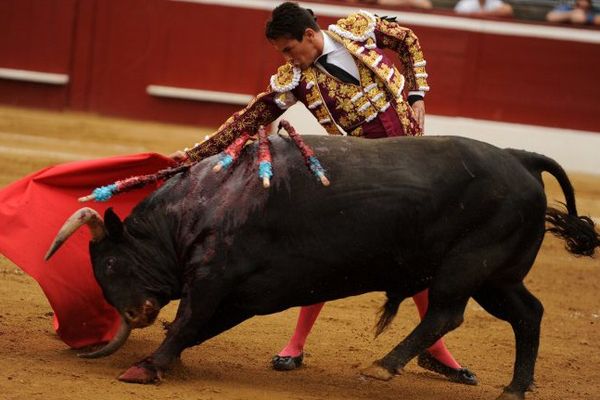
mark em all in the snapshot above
pixel 424 4
pixel 582 12
pixel 488 8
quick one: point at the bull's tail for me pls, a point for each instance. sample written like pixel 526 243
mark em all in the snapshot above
pixel 387 313
pixel 578 231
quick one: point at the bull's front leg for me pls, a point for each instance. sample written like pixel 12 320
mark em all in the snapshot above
pixel 195 322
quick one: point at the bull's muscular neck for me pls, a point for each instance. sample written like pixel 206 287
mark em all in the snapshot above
pixel 179 226
pixel 155 247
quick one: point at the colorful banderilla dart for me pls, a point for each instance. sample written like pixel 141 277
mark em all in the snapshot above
pixel 310 159
pixel 104 193
pixel 265 170
pixel 232 152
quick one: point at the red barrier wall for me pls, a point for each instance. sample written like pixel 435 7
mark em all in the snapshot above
pixel 36 35
pixel 112 50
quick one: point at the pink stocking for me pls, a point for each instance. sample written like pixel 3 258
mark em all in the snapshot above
pixel 306 319
pixel 438 350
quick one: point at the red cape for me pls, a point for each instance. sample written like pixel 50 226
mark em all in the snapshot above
pixel 33 209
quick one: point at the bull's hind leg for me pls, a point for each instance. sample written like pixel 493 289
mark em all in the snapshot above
pixel 439 320
pixel 459 276
pixel 516 305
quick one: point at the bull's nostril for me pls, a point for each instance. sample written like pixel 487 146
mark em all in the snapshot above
pixel 130 315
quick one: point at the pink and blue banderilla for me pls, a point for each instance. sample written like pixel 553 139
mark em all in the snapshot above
pixel 225 159
pixel 265 169
pixel 310 159
pixel 104 193
pixel 230 155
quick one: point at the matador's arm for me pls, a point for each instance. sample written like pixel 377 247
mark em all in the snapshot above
pixel 262 110
pixel 389 34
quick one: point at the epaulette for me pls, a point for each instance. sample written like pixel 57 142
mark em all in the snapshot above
pixel 359 26
pixel 286 78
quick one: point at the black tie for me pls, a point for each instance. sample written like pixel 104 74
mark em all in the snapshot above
pixel 336 71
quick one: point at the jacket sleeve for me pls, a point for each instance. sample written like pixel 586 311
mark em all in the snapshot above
pixel 262 110
pixel 389 34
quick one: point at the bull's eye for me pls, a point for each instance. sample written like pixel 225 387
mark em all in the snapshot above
pixel 110 265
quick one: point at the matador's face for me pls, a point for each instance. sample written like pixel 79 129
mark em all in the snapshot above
pixel 301 53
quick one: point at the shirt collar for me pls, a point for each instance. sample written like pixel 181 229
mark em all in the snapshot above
pixel 329 45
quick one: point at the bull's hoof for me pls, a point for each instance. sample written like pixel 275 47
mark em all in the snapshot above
pixel 286 363
pixel 140 374
pixel 376 371
pixel 462 375
pixel 506 395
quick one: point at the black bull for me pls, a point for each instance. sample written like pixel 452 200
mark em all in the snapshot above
pixel 460 217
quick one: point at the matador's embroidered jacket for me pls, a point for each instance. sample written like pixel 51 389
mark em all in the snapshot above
pixel 357 109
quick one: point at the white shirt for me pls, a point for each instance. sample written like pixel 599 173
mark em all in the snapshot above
pixel 337 55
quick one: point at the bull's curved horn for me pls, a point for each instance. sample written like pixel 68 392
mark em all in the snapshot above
pixel 83 216
pixel 115 344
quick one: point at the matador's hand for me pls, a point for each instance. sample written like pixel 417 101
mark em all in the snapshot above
pixel 179 156
pixel 419 109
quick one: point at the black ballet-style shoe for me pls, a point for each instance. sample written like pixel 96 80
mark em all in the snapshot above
pixel 286 363
pixel 461 375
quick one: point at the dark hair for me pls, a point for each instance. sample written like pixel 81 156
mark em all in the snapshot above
pixel 289 20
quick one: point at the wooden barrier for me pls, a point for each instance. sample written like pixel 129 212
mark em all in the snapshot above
pixel 196 61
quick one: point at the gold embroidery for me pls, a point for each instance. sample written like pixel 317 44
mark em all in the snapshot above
pixel 344 121
pixel 391 30
pixel 407 119
pixel 284 74
pixel 322 113
pixel 357 132
pixel 344 90
pixel 345 104
pixel 354 105
pixel 286 78
pixel 314 97
pixel 357 24
pixel 332 129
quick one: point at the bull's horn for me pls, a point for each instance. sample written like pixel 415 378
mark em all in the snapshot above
pixel 115 344
pixel 83 216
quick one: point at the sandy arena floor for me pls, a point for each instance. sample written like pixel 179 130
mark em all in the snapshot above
pixel 34 364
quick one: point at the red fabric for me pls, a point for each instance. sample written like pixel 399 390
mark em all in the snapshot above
pixel 33 209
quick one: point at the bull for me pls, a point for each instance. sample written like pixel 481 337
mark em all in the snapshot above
pixel 460 217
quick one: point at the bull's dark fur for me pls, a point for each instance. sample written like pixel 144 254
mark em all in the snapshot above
pixel 457 216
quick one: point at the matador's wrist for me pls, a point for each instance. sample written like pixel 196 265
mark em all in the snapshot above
pixel 413 98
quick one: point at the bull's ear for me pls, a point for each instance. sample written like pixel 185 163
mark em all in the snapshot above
pixel 113 224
